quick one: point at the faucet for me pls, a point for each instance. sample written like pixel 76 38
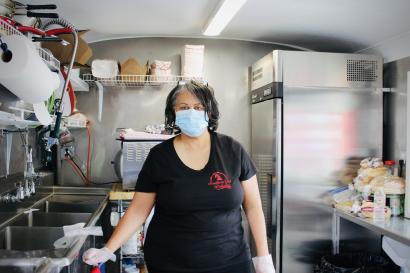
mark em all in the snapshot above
pixel 8 198
pixel 26 188
pixel 30 174
pixel 18 196
pixel 20 192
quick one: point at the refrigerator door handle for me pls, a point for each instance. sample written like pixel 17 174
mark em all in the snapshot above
pixel 270 218
pixel 278 170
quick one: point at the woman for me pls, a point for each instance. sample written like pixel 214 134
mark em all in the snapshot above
pixel 198 181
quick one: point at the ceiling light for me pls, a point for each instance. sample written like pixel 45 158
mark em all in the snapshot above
pixel 224 13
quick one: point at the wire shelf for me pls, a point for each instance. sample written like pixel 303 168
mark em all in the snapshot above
pixel 139 80
pixel 49 59
pixel 10 121
pixel 8 29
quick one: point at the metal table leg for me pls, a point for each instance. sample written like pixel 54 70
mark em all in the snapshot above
pixel 335 233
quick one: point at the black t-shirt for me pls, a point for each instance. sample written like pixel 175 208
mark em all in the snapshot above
pixel 197 220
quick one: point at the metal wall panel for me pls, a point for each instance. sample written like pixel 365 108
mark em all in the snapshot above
pixel 331 70
pixel 395 77
pixel 225 67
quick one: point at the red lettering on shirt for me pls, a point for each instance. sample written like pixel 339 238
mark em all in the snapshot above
pixel 220 181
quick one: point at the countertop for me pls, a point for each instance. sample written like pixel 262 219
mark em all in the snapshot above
pixel 117 193
pixel 397 228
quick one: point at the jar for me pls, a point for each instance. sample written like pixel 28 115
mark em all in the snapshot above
pixel 395 204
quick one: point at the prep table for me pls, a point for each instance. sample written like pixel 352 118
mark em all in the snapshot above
pixel 397 228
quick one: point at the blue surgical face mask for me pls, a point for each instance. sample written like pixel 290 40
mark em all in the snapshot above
pixel 191 122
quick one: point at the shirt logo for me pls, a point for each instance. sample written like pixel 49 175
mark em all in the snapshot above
pixel 220 181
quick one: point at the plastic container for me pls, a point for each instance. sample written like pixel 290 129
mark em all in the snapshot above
pixel 379 204
pixel 395 204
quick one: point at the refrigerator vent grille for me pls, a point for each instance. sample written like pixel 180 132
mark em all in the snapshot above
pixel 257 74
pixel 361 70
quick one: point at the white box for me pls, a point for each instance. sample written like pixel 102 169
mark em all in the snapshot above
pixel 192 61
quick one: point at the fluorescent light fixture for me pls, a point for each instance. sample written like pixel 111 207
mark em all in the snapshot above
pixel 224 13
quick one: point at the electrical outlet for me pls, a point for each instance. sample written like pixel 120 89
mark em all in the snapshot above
pixel 66 149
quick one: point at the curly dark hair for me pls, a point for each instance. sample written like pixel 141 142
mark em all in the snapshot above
pixel 205 95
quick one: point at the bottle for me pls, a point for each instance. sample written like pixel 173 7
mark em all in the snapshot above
pixel 391 165
pixel 379 204
pixel 395 204
pixel 402 168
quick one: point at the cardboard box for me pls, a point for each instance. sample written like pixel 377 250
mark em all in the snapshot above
pixel 132 67
pixel 63 53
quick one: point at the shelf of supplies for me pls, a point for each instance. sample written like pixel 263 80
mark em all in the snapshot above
pixel 70 123
pixel 139 80
pixel 49 59
pixel 9 121
pixel 397 228
pixel 132 256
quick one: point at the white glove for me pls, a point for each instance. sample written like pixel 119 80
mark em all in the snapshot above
pixel 263 264
pixel 95 256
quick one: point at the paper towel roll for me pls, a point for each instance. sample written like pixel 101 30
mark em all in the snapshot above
pixel 26 75
pixel 42 114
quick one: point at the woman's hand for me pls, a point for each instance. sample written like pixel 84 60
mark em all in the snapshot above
pixel 263 264
pixel 95 256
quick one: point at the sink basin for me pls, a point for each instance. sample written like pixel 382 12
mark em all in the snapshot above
pixel 56 203
pixel 29 238
pixel 17 269
pixel 28 261
pixel 53 219
pixel 21 205
pixel 5 216
pixel 75 198
pixel 72 203
pixel 15 207
pixel 85 207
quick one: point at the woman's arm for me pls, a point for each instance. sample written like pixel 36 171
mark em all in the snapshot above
pixel 134 217
pixel 252 205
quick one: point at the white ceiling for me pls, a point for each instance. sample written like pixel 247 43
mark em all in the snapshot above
pixel 328 25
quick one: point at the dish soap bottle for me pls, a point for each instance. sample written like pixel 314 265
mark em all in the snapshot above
pixel 379 207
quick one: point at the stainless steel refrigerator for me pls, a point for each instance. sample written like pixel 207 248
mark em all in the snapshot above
pixel 311 113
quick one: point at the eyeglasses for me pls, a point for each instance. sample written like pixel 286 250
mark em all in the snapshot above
pixel 183 107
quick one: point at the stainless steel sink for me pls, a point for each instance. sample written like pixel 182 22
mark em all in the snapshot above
pixel 72 203
pixel 15 207
pixel 17 269
pixel 52 219
pixel 84 207
pixel 71 198
pixel 5 216
pixel 29 238
pixel 24 204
